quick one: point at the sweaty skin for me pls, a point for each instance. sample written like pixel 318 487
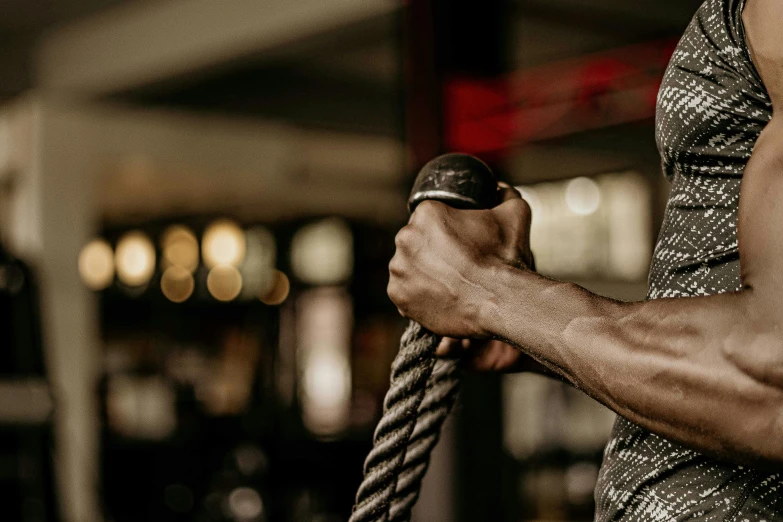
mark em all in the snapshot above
pixel 706 372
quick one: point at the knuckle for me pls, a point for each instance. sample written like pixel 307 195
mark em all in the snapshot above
pixel 511 255
pixel 426 206
pixel 522 208
pixel 404 237
pixel 395 267
pixel 508 191
pixel 526 207
pixel 522 216
pixel 426 211
pixel 396 296
pixel 392 291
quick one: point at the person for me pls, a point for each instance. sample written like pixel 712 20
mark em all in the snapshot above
pixel 695 372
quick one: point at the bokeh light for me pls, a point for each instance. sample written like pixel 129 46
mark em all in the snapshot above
pixel 245 504
pixel 591 228
pixel 322 253
pixel 96 264
pixel 582 196
pixel 223 244
pixel 177 284
pixel 327 379
pixel 324 323
pixel 279 291
pixel 180 248
pixel 224 283
pixel 135 258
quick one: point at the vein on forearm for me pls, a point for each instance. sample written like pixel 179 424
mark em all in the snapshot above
pixel 700 370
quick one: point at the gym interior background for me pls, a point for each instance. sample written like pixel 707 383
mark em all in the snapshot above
pixel 198 201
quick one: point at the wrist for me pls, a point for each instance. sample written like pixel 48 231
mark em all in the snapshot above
pixel 504 285
pixel 535 312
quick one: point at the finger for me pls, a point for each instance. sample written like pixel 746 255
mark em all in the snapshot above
pixel 449 347
pixel 515 210
pixel 493 356
pixel 507 192
pixel 427 211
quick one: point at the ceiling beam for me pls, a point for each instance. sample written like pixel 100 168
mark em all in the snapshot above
pixel 626 21
pixel 141 43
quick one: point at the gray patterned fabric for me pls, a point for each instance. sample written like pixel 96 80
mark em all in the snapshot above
pixel 712 106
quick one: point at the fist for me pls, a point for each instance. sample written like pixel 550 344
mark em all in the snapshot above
pixel 445 260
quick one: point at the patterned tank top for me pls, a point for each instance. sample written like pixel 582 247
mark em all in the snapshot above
pixel 712 106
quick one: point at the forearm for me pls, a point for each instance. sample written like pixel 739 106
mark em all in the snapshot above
pixel 700 370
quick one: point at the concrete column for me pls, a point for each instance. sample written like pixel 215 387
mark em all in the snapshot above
pixel 53 214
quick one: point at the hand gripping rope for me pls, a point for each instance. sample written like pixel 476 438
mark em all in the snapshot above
pixel 423 389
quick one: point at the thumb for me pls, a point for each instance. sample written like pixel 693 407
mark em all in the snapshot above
pixel 507 192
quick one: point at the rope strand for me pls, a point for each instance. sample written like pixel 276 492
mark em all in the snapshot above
pixel 420 397
pixel 439 399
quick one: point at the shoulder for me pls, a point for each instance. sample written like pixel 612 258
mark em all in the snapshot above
pixel 763 20
pixel 763 15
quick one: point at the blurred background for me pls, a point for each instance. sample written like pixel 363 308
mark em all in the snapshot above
pixel 198 202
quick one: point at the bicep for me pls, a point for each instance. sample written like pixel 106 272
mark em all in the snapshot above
pixel 760 228
pixel 760 224
pixel 762 20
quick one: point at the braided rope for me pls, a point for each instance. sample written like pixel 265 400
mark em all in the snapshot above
pixel 439 398
pixel 420 397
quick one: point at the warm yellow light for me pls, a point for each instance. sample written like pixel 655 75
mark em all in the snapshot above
pixel 324 322
pixel 281 286
pixel 96 264
pixel 224 283
pixel 177 284
pixel 135 258
pixel 322 252
pixel 327 387
pixel 223 244
pixel 180 248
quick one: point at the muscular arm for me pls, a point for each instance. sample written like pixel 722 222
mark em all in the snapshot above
pixel 705 371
